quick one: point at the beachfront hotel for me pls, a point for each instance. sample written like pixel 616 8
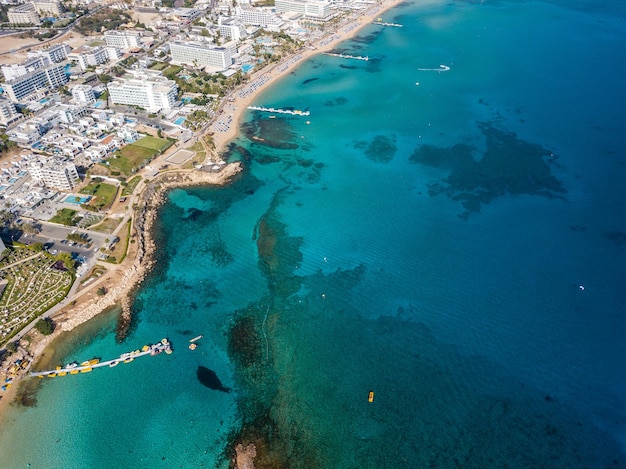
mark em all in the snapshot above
pixel 55 174
pixel 214 58
pixel 263 17
pixel 147 89
pixel 311 8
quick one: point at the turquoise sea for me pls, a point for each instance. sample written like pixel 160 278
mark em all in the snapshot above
pixel 453 240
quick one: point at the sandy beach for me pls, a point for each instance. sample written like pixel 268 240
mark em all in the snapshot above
pixel 120 280
pixel 234 105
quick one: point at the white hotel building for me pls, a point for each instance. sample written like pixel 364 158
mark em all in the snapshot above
pixel 121 40
pixel 212 57
pixel 147 89
pixel 311 8
pixel 56 174
pixel 263 17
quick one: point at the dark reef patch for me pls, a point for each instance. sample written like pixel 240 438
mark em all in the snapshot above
pixel 381 149
pixel 210 379
pixel 306 82
pixel 509 166
pixel 274 133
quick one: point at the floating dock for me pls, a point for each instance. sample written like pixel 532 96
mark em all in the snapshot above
pixel 347 56
pixel 89 365
pixel 382 23
pixel 293 112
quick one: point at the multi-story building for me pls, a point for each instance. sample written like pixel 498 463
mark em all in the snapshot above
pixel 200 55
pixel 56 174
pixel 13 71
pixel 56 54
pixel 229 29
pixel 47 7
pixel 313 8
pixel 86 56
pixel 263 17
pixel 23 14
pixel 83 94
pixel 147 89
pixel 40 79
pixel 8 114
pixel 121 40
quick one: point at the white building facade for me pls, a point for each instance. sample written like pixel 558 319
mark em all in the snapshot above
pixel 147 89
pixel 121 40
pixel 55 174
pixel 23 14
pixel 199 55
pixel 83 94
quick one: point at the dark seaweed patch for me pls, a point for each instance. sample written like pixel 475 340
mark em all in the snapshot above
pixel 508 166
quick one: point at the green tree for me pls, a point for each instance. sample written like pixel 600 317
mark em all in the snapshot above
pixel 45 326
pixel 101 291
pixel 11 347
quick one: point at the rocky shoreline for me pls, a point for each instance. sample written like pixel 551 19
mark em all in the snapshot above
pixel 152 197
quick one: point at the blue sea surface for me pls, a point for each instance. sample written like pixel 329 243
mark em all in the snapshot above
pixel 453 240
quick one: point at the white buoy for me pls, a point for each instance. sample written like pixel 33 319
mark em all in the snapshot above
pixel 582 287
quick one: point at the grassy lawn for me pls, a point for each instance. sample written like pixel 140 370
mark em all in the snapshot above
pixel 103 194
pixel 153 143
pixel 66 217
pixel 131 185
pixel 135 156
pixel 158 66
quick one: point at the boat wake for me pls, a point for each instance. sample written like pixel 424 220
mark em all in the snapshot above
pixel 441 68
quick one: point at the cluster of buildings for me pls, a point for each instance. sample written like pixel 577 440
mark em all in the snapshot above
pixel 71 128
pixel 32 12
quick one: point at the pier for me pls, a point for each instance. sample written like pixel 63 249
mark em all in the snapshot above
pixel 89 365
pixel 347 56
pixel 293 112
pixel 382 23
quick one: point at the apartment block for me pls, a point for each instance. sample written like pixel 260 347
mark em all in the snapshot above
pixel 83 94
pixel 313 8
pixel 147 89
pixel 55 174
pixel 262 17
pixel 36 81
pixel 47 7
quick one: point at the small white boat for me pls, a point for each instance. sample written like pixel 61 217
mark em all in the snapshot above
pixel 196 338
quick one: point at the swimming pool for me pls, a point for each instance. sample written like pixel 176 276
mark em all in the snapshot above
pixel 77 199
pixel 246 67
pixel 180 120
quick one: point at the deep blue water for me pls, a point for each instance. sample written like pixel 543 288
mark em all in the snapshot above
pixel 456 246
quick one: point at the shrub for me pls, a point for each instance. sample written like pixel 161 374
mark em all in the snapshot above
pixel 45 326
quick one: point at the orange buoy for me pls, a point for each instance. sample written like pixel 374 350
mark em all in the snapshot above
pixel 370 398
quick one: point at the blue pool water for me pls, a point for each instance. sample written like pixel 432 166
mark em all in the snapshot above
pixel 77 199
pixel 246 67
pixel 179 121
